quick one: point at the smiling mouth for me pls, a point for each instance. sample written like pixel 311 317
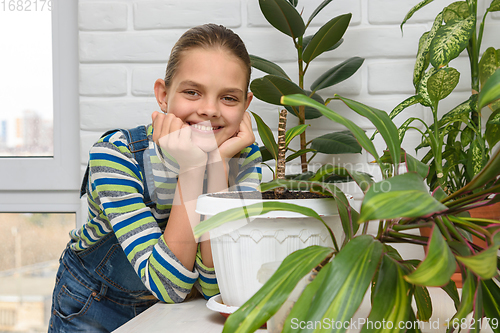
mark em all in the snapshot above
pixel 203 128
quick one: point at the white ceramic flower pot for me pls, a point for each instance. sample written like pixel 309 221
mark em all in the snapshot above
pixel 240 248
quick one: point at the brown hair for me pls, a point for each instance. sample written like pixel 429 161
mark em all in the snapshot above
pixel 207 36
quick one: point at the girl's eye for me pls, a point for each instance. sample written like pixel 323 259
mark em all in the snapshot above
pixel 191 93
pixel 230 99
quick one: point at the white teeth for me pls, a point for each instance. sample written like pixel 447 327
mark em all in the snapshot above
pixel 203 128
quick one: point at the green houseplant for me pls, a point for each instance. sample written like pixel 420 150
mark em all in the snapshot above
pixel 459 140
pixel 272 238
pixel 284 16
pixel 398 203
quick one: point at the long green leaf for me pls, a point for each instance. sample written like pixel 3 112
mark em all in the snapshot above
pixel 437 267
pixel 337 74
pixel 267 66
pixel 491 303
pixel 266 136
pixel 414 10
pixel 490 91
pixel 261 306
pixel 423 302
pixel 383 123
pixel 310 113
pixel 270 88
pixel 344 285
pixel 468 291
pixel 450 41
pixel 363 180
pixel 489 172
pixel 293 132
pixel 317 10
pixel 326 37
pixel 401 196
pixel 257 209
pixel 336 143
pixel 414 165
pixel 391 302
pixel 483 264
pixel 283 16
pixel 359 134
pixel 298 153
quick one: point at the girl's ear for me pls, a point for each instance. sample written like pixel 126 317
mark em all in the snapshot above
pixel 249 99
pixel 161 94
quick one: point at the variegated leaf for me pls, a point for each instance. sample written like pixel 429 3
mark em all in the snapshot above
pixel 404 127
pixel 492 132
pixel 414 10
pixel 442 83
pixel 404 104
pixel 490 62
pixel 458 113
pixel 423 57
pixel 494 6
pixel 422 88
pixel 450 41
pixel 458 10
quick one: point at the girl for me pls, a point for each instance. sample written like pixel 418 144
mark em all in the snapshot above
pixel 137 246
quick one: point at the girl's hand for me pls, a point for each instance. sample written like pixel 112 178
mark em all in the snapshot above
pixel 172 135
pixel 243 138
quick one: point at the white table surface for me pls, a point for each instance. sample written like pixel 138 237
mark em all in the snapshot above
pixel 190 316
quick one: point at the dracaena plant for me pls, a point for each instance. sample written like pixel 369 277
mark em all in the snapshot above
pixel 459 140
pixel 399 203
pixel 284 16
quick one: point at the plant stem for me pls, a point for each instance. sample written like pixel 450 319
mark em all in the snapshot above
pixel 280 164
pixel 302 109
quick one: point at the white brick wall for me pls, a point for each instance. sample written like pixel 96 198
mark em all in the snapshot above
pixel 125 44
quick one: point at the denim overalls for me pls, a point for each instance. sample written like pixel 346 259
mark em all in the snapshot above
pixel 97 290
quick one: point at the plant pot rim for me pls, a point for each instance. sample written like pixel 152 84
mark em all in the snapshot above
pixel 209 205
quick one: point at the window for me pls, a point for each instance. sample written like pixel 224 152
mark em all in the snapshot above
pixel 48 183
pixel 26 89
pixel 31 245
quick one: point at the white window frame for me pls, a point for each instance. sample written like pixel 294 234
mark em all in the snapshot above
pixel 51 184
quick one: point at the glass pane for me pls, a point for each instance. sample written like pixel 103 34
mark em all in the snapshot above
pixel 31 245
pixel 26 112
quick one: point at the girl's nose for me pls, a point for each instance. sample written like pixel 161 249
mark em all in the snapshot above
pixel 209 109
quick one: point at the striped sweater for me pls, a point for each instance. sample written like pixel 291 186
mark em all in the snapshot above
pixel 116 204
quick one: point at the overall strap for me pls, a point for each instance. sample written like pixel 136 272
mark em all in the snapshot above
pixel 137 139
pixel 137 143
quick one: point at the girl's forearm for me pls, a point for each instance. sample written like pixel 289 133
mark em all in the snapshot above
pixel 217 170
pixel 183 218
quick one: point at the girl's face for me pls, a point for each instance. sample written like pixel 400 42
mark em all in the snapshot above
pixel 208 93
